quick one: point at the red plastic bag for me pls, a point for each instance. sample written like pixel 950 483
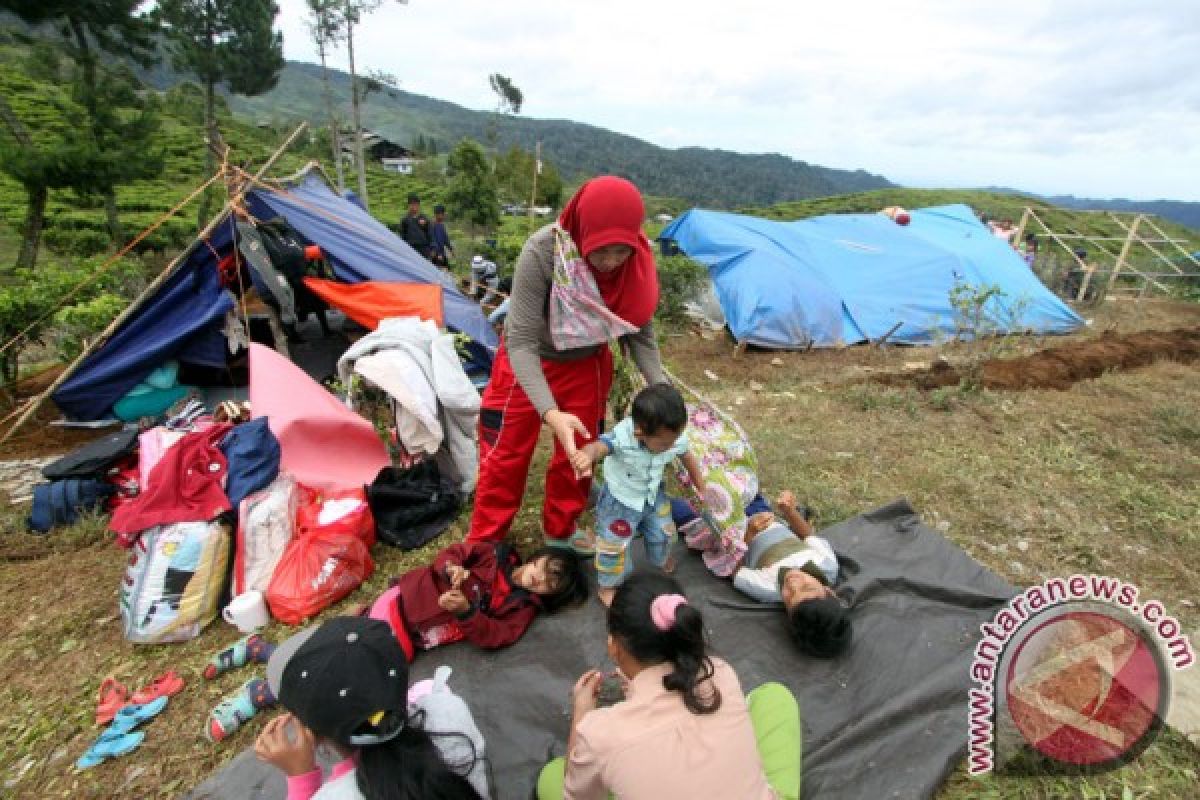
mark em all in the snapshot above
pixel 317 569
pixel 338 510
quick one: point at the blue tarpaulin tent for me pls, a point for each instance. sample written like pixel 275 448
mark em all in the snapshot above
pixel 183 319
pixel 848 278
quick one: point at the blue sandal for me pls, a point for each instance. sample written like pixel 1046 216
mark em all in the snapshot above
pixel 132 716
pixel 111 744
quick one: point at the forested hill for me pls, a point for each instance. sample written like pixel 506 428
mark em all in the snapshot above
pixel 713 178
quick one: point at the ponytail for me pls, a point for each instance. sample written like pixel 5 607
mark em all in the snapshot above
pixel 655 624
pixel 410 767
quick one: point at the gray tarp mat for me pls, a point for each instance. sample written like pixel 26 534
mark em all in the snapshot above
pixel 886 720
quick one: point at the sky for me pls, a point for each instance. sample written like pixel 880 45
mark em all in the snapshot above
pixel 1096 98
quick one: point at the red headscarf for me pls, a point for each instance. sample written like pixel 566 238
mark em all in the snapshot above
pixel 609 210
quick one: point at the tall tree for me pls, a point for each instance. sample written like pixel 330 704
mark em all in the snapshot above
pixel 472 191
pixel 223 43
pixel 508 101
pixel 325 24
pixel 114 27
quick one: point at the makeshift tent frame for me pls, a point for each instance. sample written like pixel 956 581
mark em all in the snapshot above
pixel 1120 261
pixel 358 247
pixel 152 287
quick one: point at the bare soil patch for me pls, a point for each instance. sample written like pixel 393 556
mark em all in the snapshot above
pixel 1061 367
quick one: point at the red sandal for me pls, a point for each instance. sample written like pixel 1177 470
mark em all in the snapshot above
pixel 112 697
pixel 165 685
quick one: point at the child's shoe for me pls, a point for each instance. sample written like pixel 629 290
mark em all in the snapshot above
pixel 252 648
pixel 239 708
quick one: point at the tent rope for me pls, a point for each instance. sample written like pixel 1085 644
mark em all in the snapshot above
pixel 110 263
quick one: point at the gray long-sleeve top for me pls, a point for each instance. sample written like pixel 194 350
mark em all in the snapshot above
pixel 527 330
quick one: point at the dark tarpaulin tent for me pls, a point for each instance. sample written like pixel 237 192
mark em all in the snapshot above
pixel 888 719
pixel 184 318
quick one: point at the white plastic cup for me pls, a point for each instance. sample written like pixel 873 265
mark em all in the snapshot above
pixel 247 612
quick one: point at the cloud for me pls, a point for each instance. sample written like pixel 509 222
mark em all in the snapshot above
pixel 1083 96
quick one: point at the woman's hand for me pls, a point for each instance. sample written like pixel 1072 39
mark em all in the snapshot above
pixel 584 694
pixel 293 756
pixel 565 426
pixel 786 500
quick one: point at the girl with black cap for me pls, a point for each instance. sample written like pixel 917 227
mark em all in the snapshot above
pixel 345 684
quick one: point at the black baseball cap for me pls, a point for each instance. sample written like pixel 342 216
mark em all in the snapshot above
pixel 439 209
pixel 345 679
pixel 413 198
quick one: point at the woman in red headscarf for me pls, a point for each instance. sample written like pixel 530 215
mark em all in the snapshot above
pixel 542 374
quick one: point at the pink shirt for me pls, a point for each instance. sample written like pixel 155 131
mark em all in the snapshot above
pixel 650 747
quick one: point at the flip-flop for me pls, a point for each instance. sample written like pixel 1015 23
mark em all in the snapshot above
pixel 112 696
pixel 132 716
pixel 111 744
pixel 165 685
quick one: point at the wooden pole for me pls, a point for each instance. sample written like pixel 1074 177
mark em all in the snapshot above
pixel 1149 247
pixel 1021 227
pixel 148 291
pixel 1174 242
pixel 1112 279
pixel 537 168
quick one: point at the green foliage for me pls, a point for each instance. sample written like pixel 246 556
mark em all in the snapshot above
pixel 225 42
pixel 472 191
pixel 514 179
pixel 75 324
pixel 679 280
pixel 970 303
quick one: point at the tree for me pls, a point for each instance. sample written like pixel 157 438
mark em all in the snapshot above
pixel 514 179
pixel 508 101
pixel 326 26
pixel 121 141
pixel 472 191
pixel 509 97
pixel 223 43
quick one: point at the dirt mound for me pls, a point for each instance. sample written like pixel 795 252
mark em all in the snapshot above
pixel 1060 367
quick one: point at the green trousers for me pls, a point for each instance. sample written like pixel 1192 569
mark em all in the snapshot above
pixel 776 720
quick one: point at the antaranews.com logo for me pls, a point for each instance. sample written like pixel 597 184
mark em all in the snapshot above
pixel 1072 675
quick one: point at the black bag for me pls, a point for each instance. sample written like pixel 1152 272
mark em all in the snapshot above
pixel 412 506
pixel 94 458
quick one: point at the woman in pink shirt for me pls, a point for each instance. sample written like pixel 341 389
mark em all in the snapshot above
pixel 684 728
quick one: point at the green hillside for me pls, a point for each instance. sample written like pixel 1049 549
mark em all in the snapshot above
pixel 700 176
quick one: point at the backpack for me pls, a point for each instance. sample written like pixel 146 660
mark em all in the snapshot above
pixel 412 506
pixel 61 502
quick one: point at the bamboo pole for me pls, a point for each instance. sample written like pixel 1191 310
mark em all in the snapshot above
pixel 154 286
pixel 1152 249
pixel 1125 248
pixel 1174 242
pixel 1021 227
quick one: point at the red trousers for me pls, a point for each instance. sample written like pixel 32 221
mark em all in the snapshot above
pixel 508 435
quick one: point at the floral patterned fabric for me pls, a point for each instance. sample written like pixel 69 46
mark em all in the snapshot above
pixel 577 314
pixel 730 470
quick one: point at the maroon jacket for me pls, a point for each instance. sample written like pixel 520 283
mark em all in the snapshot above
pixel 500 611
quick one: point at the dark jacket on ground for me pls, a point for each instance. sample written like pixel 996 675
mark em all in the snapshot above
pixel 500 611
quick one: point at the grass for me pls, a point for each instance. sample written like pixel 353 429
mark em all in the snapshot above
pixel 1033 484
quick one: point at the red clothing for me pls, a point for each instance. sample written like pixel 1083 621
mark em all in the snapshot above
pixel 609 210
pixel 500 612
pixel 187 485
pixel 508 434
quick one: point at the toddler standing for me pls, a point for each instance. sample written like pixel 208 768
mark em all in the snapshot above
pixel 635 454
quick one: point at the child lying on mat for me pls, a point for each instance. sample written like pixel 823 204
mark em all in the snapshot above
pixel 635 454
pixel 481 592
pixel 786 563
